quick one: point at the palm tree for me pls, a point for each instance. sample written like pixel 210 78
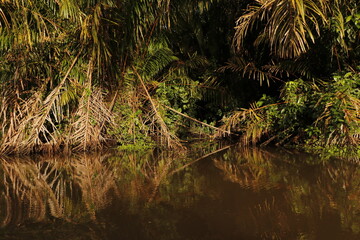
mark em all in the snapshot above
pixel 278 38
pixel 53 52
pixel 64 63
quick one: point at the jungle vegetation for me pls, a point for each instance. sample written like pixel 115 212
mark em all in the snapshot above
pixel 77 75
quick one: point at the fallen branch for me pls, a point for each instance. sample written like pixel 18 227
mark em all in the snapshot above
pixel 171 140
pixel 195 120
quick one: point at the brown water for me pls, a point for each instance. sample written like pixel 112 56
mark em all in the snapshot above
pixel 233 194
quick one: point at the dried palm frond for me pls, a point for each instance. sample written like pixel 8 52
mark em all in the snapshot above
pixel 7 101
pixel 91 118
pixel 33 122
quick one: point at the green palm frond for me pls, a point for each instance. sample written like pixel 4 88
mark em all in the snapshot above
pixel 288 27
pixel 265 73
pixel 157 59
pixel 252 122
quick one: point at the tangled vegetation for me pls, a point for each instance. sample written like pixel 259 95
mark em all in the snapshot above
pixel 80 75
pixel 311 113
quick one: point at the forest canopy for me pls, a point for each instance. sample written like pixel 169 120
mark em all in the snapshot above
pixel 78 75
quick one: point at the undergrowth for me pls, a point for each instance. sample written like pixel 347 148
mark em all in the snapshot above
pixel 314 114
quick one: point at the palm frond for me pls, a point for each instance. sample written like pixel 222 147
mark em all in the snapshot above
pixel 251 122
pixel 286 26
pixel 33 123
pixel 157 59
pixel 92 116
pixel 265 73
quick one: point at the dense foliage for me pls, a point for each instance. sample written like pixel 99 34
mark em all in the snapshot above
pixel 76 75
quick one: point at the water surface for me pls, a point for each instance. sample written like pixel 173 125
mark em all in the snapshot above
pixel 232 194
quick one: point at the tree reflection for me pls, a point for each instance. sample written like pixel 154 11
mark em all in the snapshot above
pixel 74 188
pixel 238 193
pixel 308 194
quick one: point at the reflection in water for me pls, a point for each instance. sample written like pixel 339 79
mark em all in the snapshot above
pixel 309 194
pixel 62 188
pixel 233 194
pixel 249 168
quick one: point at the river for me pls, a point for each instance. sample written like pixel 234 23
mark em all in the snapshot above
pixel 236 193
